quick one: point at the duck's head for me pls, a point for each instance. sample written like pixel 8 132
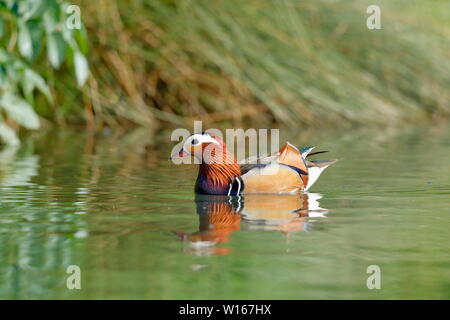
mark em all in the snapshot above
pixel 204 147
pixel 218 167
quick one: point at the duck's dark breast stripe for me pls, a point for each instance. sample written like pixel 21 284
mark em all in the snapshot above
pixel 236 187
pixel 299 171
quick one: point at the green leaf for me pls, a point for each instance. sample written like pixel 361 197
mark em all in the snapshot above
pixel 24 40
pixel 56 49
pixel 81 39
pixel 3 77
pixel 2 27
pixel 37 40
pixel 5 82
pixel 13 73
pixel 35 9
pixel 14 7
pixel 4 56
pixel 81 68
pixel 32 80
pixel 50 19
pixel 8 136
pixel 19 110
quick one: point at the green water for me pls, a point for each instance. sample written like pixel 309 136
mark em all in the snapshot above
pixel 113 205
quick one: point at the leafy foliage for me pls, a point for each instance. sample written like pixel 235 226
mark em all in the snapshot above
pixel 28 30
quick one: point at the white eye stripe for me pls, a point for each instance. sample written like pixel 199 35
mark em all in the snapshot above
pixel 201 139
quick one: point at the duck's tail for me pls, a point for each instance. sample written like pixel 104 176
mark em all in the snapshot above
pixel 315 168
pixel 306 152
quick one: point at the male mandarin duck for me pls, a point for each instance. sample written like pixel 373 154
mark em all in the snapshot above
pixel 286 171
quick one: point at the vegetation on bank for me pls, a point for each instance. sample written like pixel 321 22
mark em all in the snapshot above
pixel 299 63
pixel 34 42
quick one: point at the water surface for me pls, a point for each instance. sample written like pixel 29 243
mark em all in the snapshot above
pixel 114 206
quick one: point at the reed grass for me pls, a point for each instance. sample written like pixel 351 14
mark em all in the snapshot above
pixel 294 62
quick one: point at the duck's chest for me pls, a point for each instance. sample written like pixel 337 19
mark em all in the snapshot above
pixel 208 186
pixel 204 185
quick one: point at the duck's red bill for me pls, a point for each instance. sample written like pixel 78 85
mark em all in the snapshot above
pixel 178 155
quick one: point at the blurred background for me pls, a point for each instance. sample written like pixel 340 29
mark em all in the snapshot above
pixel 86 117
pixel 238 63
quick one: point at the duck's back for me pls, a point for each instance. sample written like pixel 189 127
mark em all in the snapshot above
pixel 283 172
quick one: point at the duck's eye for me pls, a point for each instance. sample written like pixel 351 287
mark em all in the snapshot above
pixel 194 142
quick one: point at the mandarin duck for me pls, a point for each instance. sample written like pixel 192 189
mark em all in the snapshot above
pixel 286 171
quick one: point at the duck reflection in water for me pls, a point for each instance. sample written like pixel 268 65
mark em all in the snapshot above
pixel 221 216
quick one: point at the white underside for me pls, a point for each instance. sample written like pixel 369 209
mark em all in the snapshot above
pixel 313 175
